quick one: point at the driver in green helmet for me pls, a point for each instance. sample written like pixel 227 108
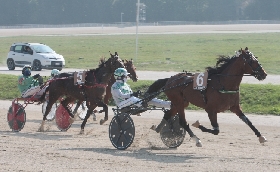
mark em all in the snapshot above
pixel 123 95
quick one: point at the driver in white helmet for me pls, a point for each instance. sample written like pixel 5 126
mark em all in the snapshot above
pixel 123 95
pixel 29 85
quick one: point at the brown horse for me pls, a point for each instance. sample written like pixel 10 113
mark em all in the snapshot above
pixel 221 94
pixel 92 91
pixel 131 69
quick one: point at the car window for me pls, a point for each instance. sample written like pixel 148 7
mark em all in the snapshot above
pixel 42 49
pixel 18 48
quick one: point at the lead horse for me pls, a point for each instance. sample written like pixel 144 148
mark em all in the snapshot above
pixel 221 94
pixel 93 90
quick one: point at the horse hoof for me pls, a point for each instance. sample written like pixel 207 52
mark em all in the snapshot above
pixel 196 124
pixel 82 132
pixel 102 121
pixel 198 143
pixel 153 127
pixel 71 120
pixel 41 129
pixel 262 139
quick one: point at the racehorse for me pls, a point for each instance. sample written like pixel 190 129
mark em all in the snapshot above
pixel 131 69
pixel 221 94
pixel 92 91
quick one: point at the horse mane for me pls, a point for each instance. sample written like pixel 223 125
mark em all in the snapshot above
pixel 222 62
pixel 102 62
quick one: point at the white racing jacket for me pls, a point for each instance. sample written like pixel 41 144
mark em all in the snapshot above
pixel 121 93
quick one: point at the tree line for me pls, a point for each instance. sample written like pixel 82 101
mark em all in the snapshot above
pixel 14 12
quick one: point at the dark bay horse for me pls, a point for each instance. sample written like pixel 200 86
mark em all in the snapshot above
pixel 92 91
pixel 221 94
pixel 131 69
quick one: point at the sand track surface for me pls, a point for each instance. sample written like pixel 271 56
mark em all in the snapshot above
pixel 236 148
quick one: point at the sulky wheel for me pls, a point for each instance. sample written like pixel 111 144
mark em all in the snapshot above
pixel 172 134
pixel 62 118
pixel 82 111
pixel 121 131
pixel 16 117
pixel 51 114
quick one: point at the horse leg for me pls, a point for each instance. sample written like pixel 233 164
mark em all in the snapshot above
pixel 78 104
pixel 52 100
pixel 76 108
pixel 213 119
pixel 183 123
pixel 89 111
pixel 107 96
pixel 240 114
pixel 105 109
pixel 65 104
pixel 166 117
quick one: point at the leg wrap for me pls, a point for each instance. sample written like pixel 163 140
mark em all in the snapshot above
pixel 249 123
pixel 214 131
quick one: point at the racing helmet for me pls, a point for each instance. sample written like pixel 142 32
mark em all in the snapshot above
pixel 24 68
pixel 54 72
pixel 120 73
pixel 26 73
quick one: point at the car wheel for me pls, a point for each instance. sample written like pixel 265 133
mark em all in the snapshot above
pixel 37 65
pixel 11 64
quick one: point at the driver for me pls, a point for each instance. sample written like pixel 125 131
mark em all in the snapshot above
pixel 54 73
pixel 29 85
pixel 123 95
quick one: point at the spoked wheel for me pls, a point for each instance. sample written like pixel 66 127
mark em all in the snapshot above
pixel 82 112
pixel 51 114
pixel 121 131
pixel 16 117
pixel 172 134
pixel 62 118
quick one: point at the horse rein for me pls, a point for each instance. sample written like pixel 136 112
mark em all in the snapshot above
pixel 256 71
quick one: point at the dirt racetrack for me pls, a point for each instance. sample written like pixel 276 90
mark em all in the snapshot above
pixel 236 148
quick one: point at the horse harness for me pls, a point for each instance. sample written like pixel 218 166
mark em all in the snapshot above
pixel 202 91
pixel 81 84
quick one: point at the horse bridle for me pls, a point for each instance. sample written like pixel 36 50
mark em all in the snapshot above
pixel 256 72
pixel 115 61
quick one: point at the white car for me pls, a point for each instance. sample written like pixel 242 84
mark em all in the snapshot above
pixel 37 55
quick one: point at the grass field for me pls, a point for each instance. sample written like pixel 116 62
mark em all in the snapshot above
pixel 169 52
pixel 259 99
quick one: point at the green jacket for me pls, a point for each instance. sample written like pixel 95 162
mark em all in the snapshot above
pixel 24 83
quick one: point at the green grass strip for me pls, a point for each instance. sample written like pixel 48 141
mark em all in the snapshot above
pixel 255 98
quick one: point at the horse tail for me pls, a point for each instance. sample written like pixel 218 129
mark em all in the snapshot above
pixel 156 86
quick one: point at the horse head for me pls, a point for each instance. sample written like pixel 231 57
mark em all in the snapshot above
pixel 115 62
pixel 131 69
pixel 252 65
